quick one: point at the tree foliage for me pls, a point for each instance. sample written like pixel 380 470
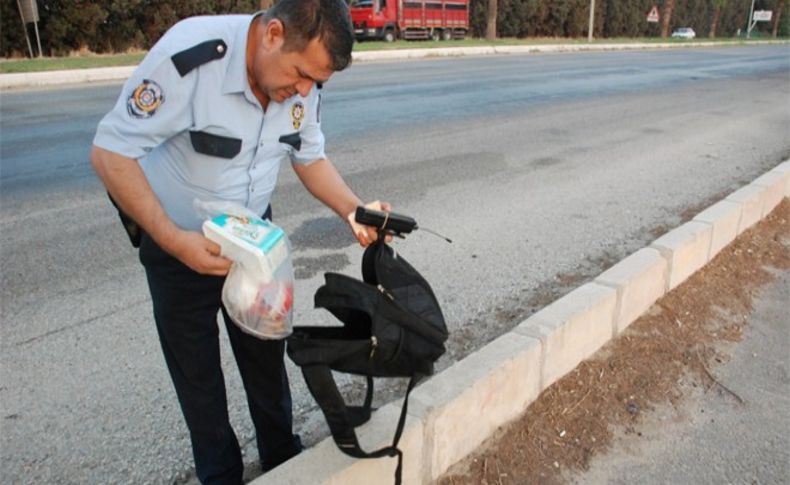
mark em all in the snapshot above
pixel 66 26
pixel 118 25
pixel 617 18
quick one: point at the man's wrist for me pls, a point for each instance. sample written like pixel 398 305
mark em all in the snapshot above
pixel 167 236
pixel 350 208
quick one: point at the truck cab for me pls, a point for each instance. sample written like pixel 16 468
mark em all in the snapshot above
pixel 375 19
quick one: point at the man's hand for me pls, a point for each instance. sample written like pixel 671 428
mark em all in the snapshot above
pixel 126 182
pixel 198 253
pixel 367 235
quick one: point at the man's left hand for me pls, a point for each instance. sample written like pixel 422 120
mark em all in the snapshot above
pixel 367 235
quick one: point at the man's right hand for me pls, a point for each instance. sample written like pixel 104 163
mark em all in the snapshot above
pixel 127 184
pixel 198 253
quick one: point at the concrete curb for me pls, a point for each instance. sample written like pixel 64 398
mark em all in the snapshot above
pixel 456 410
pixel 51 78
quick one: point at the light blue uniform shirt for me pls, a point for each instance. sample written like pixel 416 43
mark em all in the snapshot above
pixel 204 135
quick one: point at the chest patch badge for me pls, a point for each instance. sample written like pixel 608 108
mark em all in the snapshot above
pixel 297 114
pixel 145 100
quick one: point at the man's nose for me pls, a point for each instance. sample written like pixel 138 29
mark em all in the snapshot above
pixel 304 86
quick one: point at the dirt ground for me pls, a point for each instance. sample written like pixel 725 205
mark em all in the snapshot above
pixel 683 337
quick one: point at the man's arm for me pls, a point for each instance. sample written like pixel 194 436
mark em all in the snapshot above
pixel 125 181
pixel 322 179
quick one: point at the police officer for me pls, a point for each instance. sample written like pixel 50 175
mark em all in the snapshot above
pixel 210 113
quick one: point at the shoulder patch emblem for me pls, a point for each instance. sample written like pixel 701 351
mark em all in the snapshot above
pixel 145 100
pixel 297 114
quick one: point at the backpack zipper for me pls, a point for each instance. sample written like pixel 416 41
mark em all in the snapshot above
pixel 386 292
pixel 434 337
pixel 374 342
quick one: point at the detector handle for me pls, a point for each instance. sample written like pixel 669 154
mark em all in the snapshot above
pixel 385 221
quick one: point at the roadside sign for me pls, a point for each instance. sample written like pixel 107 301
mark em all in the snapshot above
pixel 757 16
pixel 29 10
pixel 652 17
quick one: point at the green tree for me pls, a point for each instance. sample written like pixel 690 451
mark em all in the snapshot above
pixel 615 18
pixel 555 20
pixel 12 32
pixel 520 11
pixel 577 20
pixel 120 30
pixel 535 21
pixel 717 5
pixel 106 26
pixel 732 19
pixel 779 9
pixel 69 25
pixel 669 7
pixel 477 17
pixel 509 19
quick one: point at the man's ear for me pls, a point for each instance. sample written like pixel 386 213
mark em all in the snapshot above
pixel 274 35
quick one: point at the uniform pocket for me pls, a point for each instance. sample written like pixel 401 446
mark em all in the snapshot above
pixel 215 145
pixel 293 139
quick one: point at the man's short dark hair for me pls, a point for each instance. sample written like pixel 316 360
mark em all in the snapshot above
pixel 304 20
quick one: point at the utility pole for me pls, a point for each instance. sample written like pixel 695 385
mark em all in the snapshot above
pixel 28 10
pixel 592 21
pixel 749 27
pixel 24 27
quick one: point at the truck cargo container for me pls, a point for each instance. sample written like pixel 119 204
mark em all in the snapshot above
pixel 389 20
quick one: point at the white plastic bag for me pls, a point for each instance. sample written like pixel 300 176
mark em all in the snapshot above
pixel 258 291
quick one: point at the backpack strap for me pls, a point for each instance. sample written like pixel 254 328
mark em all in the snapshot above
pixel 369 261
pixel 342 419
pixel 346 298
pixel 349 300
pixel 341 291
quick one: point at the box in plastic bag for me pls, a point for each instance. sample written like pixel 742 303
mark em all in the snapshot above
pixel 258 291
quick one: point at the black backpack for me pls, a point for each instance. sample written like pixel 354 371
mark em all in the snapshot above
pixel 392 327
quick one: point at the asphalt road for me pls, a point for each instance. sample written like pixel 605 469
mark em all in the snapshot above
pixel 543 169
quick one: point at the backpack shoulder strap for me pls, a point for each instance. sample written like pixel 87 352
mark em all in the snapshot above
pixel 342 293
pixel 342 419
pixel 369 262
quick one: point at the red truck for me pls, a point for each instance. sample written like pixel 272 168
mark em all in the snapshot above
pixel 413 19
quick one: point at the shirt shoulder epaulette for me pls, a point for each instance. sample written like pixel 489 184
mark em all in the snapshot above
pixel 198 55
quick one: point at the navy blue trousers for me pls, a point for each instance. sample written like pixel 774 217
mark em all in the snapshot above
pixel 185 309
